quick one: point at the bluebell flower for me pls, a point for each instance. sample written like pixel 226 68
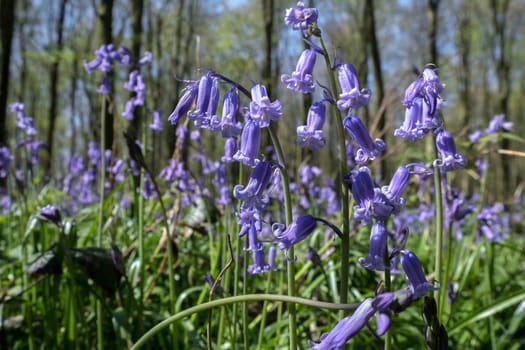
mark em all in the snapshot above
pixel 394 191
pixel 311 134
pixel 349 326
pixel 370 201
pixel 207 100
pixel 52 214
pixel 491 223
pixel 308 173
pixel 301 18
pixel 498 123
pixel 259 265
pixel 368 148
pixel 428 87
pixel 248 217
pixel 352 96
pixel 262 110
pixel 375 260
pixel 449 158
pixel 272 256
pixel 297 231
pixel 411 129
pixel 416 278
pixel 252 194
pixel 23 122
pixel 185 102
pixel 5 159
pixel 157 121
pixel 230 149
pixel 145 59
pixel 250 143
pixel 302 80
pixel 229 125
pixel 5 201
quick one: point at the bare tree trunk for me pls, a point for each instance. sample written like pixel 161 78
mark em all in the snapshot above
pixel 137 9
pixel 433 30
pixel 464 45
pixel 370 23
pixel 267 69
pixel 7 27
pixel 106 18
pixel 500 48
pixel 53 81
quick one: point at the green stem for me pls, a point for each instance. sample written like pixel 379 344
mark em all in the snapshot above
pixel 292 317
pixel 237 270
pixel 234 300
pixel 438 200
pixel 345 241
pixel 102 169
pixel 264 311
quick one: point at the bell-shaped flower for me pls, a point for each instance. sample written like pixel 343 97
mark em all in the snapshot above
pixel 416 278
pixel 394 191
pixel 349 326
pixel 259 265
pixel 301 18
pixel 498 123
pixel 297 231
pixel 411 129
pixel 250 143
pixel 301 80
pixel 352 96
pixel 262 110
pixel 207 101
pixel 229 125
pixel 449 158
pixel 185 103
pixel 157 121
pixel 368 148
pixel 311 134
pixel 252 194
pixel 230 148
pixel 375 260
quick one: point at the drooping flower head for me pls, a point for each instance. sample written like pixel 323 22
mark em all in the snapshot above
pixel 301 80
pixel 301 18
pixel 352 96
pixel 375 260
pixel 416 278
pixel 252 194
pixel 368 148
pixel 311 134
pixel 156 124
pixel 297 231
pixel 498 123
pixel 185 102
pixel 449 159
pixel 250 144
pixel 349 326
pixel 229 125
pixel 207 101
pixel 5 159
pixel 262 110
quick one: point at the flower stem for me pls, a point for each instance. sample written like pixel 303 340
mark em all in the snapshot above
pixel 345 240
pixel 290 263
pixel 234 300
pixel 102 183
pixel 438 201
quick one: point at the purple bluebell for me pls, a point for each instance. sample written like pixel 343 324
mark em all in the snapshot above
pixel 52 214
pixel 207 100
pixel 349 326
pixel 259 265
pixel 145 59
pixel 185 102
pixel 136 85
pixel 248 217
pixel 94 154
pixel 148 190
pixel 104 57
pixel 301 18
pixel 414 272
pixel 311 134
pixel 297 231
pixel 171 171
pixel 412 129
pixel 230 149
pixel 156 124
pixel 308 173
pixel 23 122
pixel 229 125
pixel 370 202
pixel 5 201
pixel 492 224
pixel 272 256
pixel 475 136
pixel 368 148
pixel 427 86
pixel 252 194
pixel 449 158
pixel 394 191
pixel 375 260
pixel 352 96
pixel 262 110
pixel 250 143
pixel 302 80
pixel 498 123
pixel 5 159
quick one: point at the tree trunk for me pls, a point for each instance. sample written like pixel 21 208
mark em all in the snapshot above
pixel 433 30
pixel 106 18
pixel 137 9
pixel 53 87
pixel 7 27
